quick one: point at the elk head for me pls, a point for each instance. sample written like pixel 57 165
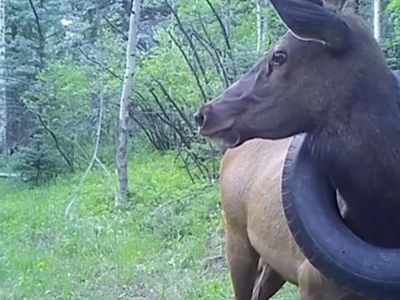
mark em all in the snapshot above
pixel 300 84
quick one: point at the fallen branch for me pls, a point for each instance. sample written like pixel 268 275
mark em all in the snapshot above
pixel 10 175
pixel 68 210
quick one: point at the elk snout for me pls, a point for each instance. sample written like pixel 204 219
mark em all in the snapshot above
pixel 212 118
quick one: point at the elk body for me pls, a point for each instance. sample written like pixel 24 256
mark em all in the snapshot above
pixel 256 227
pixel 327 82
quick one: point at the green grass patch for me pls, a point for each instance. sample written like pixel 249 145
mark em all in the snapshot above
pixel 168 245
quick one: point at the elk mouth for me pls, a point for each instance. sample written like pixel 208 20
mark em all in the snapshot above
pixel 219 123
pixel 228 137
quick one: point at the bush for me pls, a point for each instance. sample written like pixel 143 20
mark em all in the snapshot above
pixel 38 161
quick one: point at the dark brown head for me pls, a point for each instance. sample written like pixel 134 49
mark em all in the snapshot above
pixel 306 80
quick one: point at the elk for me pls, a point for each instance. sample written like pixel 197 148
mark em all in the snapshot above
pixel 327 106
pixel 255 227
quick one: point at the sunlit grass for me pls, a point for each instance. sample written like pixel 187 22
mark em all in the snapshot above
pixel 166 246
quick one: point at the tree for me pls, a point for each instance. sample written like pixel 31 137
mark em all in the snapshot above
pixel 3 99
pixel 122 164
pixel 260 26
pixel 377 20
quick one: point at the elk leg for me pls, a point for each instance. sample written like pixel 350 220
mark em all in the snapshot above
pixel 313 286
pixel 309 282
pixel 268 283
pixel 242 259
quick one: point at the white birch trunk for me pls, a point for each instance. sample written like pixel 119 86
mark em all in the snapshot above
pixel 3 101
pixel 228 18
pixel 127 88
pixel 377 20
pixel 260 27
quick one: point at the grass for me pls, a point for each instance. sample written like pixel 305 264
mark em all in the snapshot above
pixel 167 246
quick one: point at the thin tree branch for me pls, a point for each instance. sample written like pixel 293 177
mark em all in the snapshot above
pixel 214 57
pixel 37 20
pixel 56 142
pixel 191 45
pixel 100 64
pixel 222 25
pixel 168 121
pixel 186 58
pixel 217 51
pixel 41 36
pixel 169 99
pixel 125 37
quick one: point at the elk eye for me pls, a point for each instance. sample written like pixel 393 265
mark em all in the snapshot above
pixel 278 58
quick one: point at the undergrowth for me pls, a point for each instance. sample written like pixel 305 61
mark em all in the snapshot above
pixel 168 245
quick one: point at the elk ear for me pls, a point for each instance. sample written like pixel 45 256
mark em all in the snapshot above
pixel 312 22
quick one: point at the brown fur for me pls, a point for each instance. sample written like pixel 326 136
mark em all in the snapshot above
pixel 256 227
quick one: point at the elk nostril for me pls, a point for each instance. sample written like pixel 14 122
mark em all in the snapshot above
pixel 199 118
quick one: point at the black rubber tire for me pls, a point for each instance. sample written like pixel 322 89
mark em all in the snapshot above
pixel 311 210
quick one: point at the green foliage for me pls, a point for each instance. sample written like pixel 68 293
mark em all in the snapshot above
pixel 394 5
pixel 64 102
pixel 392 34
pixel 38 161
pixel 169 244
pixel 166 59
pixel 55 69
pixel 168 247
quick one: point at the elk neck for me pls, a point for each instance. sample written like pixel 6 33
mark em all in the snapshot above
pixel 358 148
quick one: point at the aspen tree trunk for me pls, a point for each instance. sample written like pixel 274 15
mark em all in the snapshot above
pixel 3 101
pixel 127 88
pixel 228 18
pixel 377 20
pixel 260 27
